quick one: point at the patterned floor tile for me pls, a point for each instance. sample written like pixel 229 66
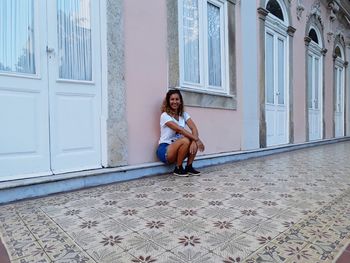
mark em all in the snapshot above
pixel 106 253
pixel 146 243
pixel 290 207
pixel 40 258
pixel 240 246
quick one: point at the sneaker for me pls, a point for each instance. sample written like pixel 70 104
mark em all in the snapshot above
pixel 190 170
pixel 179 171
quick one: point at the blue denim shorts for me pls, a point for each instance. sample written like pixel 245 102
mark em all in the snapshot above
pixel 162 152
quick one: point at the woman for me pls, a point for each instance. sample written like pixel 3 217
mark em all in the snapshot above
pixel 176 143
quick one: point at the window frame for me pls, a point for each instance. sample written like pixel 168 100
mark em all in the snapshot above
pixel 203 85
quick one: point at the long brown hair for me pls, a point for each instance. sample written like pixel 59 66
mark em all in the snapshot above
pixel 166 102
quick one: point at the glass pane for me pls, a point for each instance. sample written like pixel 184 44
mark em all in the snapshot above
pixel 317 82
pixel 269 69
pixel 17 36
pixel 336 88
pixel 191 40
pixel 339 99
pixel 281 74
pixel 74 39
pixel 310 82
pixel 274 7
pixel 214 50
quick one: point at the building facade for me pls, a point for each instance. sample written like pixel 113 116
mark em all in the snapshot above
pixel 82 81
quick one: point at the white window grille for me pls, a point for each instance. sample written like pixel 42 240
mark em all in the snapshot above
pixel 203 45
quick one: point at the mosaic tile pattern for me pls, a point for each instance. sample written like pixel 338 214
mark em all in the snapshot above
pixel 291 207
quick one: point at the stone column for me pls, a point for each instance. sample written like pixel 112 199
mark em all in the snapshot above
pixel 250 88
pixel 117 132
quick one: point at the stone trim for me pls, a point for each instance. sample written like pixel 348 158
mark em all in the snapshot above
pixel 262 13
pixel 291 30
pixel 315 20
pixel 339 41
pixel 117 133
pixel 195 98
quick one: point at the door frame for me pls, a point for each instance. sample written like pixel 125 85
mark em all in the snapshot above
pixel 278 29
pixel 339 64
pixel 315 51
pixel 277 35
pixel 38 93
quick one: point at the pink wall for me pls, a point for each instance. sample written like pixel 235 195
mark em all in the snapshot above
pixel 221 130
pixel 146 75
pixel 146 85
pixel 299 80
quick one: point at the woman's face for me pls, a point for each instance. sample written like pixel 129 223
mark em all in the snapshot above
pixel 175 102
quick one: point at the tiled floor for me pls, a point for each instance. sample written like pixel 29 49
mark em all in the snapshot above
pixel 291 207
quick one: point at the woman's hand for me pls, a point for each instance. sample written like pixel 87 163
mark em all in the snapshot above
pixel 200 145
pixel 193 147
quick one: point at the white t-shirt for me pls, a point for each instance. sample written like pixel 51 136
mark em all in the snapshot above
pixel 168 135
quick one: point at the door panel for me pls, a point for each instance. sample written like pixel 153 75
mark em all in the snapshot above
pixel 74 86
pixel 50 88
pixel 339 102
pixel 275 87
pixel 24 143
pixel 314 92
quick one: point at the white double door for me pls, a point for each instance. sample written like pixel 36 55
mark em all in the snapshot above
pixel 314 95
pixel 50 87
pixel 276 95
pixel 339 99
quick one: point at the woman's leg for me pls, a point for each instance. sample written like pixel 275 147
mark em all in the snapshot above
pixel 178 151
pixel 192 155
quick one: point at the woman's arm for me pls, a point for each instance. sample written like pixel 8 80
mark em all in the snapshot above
pixel 190 123
pixel 175 127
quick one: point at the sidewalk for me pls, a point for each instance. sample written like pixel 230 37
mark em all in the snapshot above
pixel 290 207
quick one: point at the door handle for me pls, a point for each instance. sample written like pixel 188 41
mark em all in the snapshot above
pixel 277 93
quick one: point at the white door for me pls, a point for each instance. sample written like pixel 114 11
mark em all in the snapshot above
pixel 339 101
pixel 49 87
pixel 276 106
pixel 75 90
pixel 24 119
pixel 314 100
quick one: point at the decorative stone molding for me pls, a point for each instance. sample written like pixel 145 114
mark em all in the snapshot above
pixel 233 1
pixel 316 12
pixel 262 12
pixel 334 8
pixel 329 36
pixel 299 10
pixel 290 31
pixel 324 51
pixel 307 40
pixel 334 56
pixel 316 8
pixel 346 63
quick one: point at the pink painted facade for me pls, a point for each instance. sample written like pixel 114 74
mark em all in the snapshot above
pixel 221 129
pixel 283 67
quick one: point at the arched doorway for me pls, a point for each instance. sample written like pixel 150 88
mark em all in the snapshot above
pixel 339 91
pixel 314 85
pixel 276 74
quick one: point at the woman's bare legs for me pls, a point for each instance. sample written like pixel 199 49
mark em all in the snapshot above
pixel 178 151
pixel 192 152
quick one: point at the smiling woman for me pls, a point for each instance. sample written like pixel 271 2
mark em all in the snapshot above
pixel 176 143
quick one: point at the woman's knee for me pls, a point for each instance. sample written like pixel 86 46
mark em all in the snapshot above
pixel 185 141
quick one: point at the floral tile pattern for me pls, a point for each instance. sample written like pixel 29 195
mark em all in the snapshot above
pixel 290 207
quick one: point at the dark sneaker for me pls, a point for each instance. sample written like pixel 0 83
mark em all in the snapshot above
pixel 179 171
pixel 190 170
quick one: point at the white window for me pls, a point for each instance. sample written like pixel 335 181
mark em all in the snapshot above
pixel 203 45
